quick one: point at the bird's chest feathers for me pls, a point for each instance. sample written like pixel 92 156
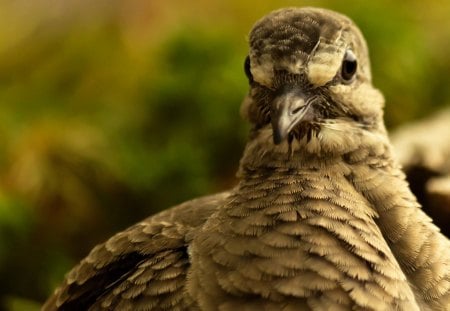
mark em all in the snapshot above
pixel 278 208
pixel 286 233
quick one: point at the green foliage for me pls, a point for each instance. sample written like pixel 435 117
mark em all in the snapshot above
pixel 111 111
pixel 15 223
pixel 19 304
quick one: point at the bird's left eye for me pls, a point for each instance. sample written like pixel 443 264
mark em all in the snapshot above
pixel 349 66
pixel 248 73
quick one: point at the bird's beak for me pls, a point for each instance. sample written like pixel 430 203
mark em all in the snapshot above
pixel 288 110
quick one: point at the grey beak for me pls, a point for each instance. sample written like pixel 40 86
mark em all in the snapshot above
pixel 289 110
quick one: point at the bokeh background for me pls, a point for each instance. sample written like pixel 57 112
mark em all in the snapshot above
pixel 113 110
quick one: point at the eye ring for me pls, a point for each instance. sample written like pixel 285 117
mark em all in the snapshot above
pixel 247 70
pixel 349 66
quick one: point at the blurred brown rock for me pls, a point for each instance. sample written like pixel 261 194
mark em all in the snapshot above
pixel 423 148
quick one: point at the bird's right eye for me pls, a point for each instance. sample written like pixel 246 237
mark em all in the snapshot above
pixel 248 73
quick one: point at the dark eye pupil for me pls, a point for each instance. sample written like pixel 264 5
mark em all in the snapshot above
pixel 248 73
pixel 349 66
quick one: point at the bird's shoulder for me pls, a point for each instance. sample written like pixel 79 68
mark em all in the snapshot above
pixel 118 272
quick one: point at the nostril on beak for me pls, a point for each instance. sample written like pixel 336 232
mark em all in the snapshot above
pixel 296 110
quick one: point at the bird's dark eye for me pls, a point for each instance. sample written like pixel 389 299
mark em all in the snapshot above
pixel 349 66
pixel 248 73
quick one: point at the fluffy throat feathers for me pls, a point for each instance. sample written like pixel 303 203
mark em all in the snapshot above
pixel 337 142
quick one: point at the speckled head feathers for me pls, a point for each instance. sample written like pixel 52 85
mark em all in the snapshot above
pixel 309 40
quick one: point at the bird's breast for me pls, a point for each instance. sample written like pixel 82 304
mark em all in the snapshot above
pixel 286 238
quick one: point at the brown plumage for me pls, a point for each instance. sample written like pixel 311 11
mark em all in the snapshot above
pixel 321 219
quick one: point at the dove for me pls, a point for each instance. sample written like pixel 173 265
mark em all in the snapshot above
pixel 321 217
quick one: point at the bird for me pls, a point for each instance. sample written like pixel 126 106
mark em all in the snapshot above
pixel 321 217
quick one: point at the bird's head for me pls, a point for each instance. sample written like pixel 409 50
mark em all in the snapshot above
pixel 310 78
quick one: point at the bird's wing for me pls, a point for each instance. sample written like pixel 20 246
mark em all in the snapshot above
pixel 142 267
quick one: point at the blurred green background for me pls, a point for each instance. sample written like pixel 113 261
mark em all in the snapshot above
pixel 113 110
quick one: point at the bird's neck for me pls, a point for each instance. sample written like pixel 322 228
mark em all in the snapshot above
pixel 347 147
pixel 369 169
